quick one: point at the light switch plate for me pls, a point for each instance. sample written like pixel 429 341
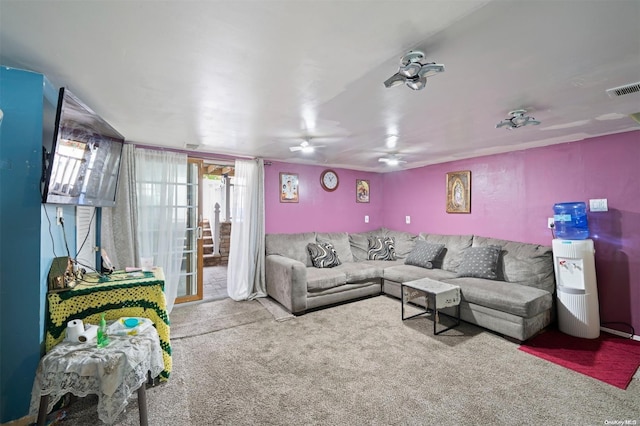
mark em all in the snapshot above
pixel 550 223
pixel 407 219
pixel 598 205
pixel 366 219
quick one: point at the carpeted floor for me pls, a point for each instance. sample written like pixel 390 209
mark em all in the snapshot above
pixel 359 364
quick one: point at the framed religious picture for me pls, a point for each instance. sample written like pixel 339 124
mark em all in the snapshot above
pixel 459 192
pixel 362 191
pixel 289 187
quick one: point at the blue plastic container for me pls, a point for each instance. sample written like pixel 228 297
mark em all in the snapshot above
pixel 570 221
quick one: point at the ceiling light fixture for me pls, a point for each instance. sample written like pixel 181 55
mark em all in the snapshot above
pixel 414 71
pixel 518 119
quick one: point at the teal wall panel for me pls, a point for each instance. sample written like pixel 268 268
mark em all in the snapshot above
pixel 21 100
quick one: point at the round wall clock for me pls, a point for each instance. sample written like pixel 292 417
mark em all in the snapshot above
pixel 329 180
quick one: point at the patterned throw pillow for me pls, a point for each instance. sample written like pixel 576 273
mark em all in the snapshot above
pixel 381 248
pixel 480 262
pixel 323 255
pixel 424 254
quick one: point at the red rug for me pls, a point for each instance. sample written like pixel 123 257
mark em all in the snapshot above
pixel 609 358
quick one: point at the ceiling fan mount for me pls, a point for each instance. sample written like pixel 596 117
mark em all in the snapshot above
pixel 518 119
pixel 305 147
pixel 392 160
pixel 413 71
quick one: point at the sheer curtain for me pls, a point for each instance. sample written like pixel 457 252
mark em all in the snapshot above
pixel 118 235
pixel 161 181
pixel 245 276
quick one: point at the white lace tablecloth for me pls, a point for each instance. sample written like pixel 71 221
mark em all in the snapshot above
pixel 113 373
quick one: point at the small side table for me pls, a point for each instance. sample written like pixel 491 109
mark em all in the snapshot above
pixel 437 294
pixel 113 373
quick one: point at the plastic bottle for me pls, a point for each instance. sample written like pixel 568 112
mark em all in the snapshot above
pixel 103 338
pixel 570 221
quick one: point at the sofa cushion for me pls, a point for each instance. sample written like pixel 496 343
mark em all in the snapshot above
pixel 293 246
pixel 424 254
pixel 360 271
pixel 453 247
pixel 527 263
pixel 323 255
pixel 404 273
pixel 404 241
pixel 340 242
pixel 319 279
pixel 381 248
pixel 480 262
pixel 359 243
pixel 516 299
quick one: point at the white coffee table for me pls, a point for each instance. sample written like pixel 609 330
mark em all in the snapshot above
pixel 438 295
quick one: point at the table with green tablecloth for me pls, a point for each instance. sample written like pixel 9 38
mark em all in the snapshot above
pixel 120 294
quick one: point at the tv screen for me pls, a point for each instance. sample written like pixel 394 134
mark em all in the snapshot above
pixel 82 164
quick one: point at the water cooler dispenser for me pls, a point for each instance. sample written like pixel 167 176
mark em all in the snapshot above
pixel 575 271
pixel 577 290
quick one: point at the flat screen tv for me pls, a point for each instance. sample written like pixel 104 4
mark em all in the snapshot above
pixel 82 163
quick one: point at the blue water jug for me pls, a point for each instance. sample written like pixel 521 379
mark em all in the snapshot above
pixel 570 221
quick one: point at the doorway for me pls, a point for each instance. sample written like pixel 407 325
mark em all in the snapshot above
pixel 217 197
pixel 208 239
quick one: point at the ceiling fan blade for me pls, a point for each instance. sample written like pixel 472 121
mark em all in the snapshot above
pixel 430 69
pixel 394 80
pixel 295 148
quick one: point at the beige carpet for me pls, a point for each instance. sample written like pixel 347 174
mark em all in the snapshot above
pixel 359 364
pixel 208 317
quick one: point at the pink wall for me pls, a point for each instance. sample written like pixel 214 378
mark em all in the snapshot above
pixel 513 195
pixel 317 209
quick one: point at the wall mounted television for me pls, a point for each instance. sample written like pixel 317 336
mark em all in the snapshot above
pixel 81 163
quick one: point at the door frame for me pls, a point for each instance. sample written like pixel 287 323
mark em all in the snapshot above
pixel 198 230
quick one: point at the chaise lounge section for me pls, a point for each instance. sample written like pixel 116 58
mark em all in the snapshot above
pixel 507 287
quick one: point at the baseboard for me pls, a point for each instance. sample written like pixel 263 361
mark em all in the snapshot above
pixel 620 333
pixel 23 421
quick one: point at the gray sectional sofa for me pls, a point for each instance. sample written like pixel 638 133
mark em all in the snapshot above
pixel 518 300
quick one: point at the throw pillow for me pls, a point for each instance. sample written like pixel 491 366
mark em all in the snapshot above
pixel 323 255
pixel 424 254
pixel 381 248
pixel 480 262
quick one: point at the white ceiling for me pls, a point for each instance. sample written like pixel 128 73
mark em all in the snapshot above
pixel 251 78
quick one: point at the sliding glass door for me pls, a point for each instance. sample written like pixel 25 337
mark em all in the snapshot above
pixel 190 287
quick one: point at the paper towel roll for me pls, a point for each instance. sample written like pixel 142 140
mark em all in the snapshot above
pixel 74 329
pixel 89 334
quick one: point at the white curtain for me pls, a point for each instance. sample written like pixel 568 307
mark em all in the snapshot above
pixel 118 235
pixel 245 276
pixel 161 182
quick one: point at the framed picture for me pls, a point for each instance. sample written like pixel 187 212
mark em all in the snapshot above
pixel 459 192
pixel 289 187
pixel 362 191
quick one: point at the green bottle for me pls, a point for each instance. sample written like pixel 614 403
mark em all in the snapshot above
pixel 103 338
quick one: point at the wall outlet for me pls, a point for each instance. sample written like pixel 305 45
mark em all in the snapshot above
pixel 366 219
pixel 59 218
pixel 407 219
pixel 599 205
pixel 550 223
